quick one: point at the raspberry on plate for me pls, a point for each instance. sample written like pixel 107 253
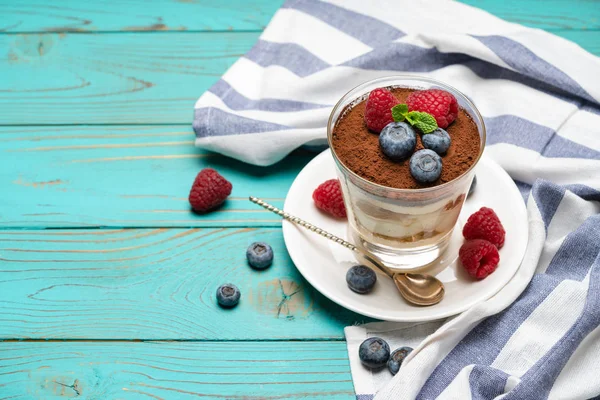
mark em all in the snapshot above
pixel 479 257
pixel 328 197
pixel 378 109
pixel 439 103
pixel 485 224
pixel 209 190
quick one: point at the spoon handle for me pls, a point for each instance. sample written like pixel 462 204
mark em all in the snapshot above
pixel 303 223
pixel 316 229
pixel 402 281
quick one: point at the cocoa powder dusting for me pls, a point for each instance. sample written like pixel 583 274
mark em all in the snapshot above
pixel 358 149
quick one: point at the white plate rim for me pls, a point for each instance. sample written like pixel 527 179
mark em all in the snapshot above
pixel 430 315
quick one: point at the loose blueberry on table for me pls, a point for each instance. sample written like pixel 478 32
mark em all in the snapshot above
pixel 396 359
pixel 259 255
pixel 228 295
pixel 374 352
pixel 361 279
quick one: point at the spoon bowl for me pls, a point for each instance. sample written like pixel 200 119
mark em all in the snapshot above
pixel 419 289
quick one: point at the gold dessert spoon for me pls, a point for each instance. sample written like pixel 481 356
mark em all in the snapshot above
pixel 419 289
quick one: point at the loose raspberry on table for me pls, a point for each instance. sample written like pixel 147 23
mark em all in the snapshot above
pixel 378 109
pixel 209 190
pixel 485 224
pixel 439 103
pixel 479 257
pixel 328 197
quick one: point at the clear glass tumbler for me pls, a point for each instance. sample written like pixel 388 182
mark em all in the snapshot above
pixel 405 228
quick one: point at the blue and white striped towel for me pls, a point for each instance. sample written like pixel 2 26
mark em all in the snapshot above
pixel 545 345
pixel 539 338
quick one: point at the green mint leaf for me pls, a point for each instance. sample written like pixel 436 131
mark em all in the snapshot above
pixel 399 112
pixel 422 121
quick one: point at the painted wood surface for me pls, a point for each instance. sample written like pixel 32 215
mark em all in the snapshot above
pixel 121 78
pixel 134 78
pixel 195 15
pixel 589 40
pixel 156 284
pixel 549 15
pixel 125 176
pixel 95 118
pixel 135 15
pixel 167 371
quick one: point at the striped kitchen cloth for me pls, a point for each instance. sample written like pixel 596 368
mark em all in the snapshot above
pixel 540 97
pixel 538 338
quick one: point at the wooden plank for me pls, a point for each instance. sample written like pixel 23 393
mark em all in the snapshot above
pixel 132 78
pixel 589 40
pixel 547 14
pixel 155 370
pixel 135 15
pixel 126 176
pixel 195 15
pixel 139 78
pixel 155 284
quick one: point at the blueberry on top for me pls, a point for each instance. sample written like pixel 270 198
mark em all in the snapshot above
pixel 259 255
pixel 361 279
pixel 425 166
pixel 374 352
pixel 438 141
pixel 397 140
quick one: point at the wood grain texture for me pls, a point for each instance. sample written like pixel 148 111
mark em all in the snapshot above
pixel 139 78
pixel 182 371
pixel 121 78
pixel 126 176
pixel 135 15
pixel 197 15
pixel 547 14
pixel 589 40
pixel 156 284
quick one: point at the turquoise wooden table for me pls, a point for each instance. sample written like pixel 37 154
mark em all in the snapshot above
pixel 107 279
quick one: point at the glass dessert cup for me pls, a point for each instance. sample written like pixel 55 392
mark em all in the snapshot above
pixel 407 229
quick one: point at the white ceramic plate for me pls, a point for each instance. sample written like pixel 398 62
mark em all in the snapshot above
pixel 324 263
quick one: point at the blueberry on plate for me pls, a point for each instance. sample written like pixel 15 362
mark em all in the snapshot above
pixel 228 295
pixel 397 140
pixel 397 358
pixel 374 352
pixel 425 166
pixel 473 184
pixel 438 141
pixel 259 255
pixel 361 279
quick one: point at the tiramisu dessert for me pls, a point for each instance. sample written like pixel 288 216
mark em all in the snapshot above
pixel 405 158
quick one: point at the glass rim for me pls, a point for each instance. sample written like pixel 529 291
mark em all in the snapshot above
pixel 413 78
